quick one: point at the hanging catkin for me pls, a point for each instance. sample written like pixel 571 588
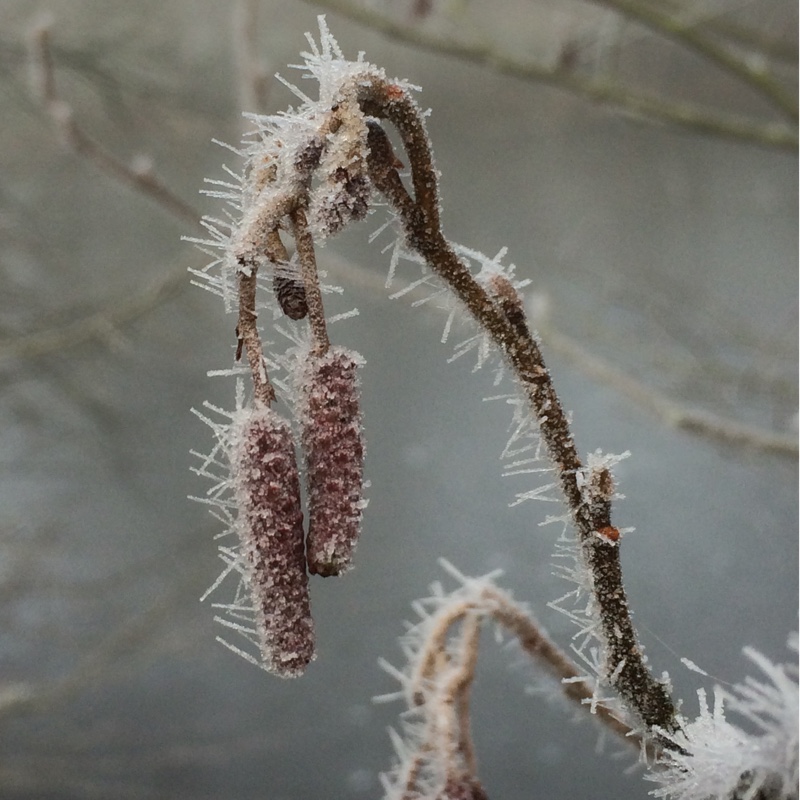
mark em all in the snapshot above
pixel 330 418
pixel 270 525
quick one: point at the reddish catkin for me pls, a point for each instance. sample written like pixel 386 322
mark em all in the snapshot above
pixel 271 528
pixel 330 419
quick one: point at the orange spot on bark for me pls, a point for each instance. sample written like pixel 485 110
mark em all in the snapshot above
pixel 609 532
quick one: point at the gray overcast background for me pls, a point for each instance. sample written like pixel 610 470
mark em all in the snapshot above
pixel 669 254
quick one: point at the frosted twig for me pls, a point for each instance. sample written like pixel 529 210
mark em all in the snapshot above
pixel 482 597
pixel 308 265
pixel 442 652
pixel 310 172
pixel 247 331
pixel 505 324
pixel 313 172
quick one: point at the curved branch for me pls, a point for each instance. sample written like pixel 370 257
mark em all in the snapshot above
pixel 625 666
pixel 442 651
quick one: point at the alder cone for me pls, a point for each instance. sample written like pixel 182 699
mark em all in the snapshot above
pixel 291 296
pixel 270 525
pixel 330 416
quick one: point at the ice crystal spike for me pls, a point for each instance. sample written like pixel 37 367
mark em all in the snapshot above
pixel 270 525
pixel 330 419
pixel 714 758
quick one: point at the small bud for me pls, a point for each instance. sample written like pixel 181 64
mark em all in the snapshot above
pixel 600 484
pixel 270 525
pixel 307 158
pixel 344 190
pixel 287 281
pixel 609 532
pixel 504 292
pixel 330 416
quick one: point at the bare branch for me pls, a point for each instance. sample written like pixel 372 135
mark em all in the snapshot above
pixel 686 33
pixel 639 104
pixel 139 175
pixel 98 325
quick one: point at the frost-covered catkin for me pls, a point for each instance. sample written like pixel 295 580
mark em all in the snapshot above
pixel 270 525
pixel 330 419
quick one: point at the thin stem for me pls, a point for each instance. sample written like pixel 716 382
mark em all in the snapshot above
pixel 455 697
pixel 247 331
pixel 497 605
pixel 308 266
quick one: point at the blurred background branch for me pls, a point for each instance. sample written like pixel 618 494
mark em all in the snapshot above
pixel 745 56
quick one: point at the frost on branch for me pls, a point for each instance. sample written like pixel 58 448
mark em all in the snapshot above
pixel 304 176
pixel 314 155
pixel 462 787
pixel 435 758
pixel 757 759
pixel 312 170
